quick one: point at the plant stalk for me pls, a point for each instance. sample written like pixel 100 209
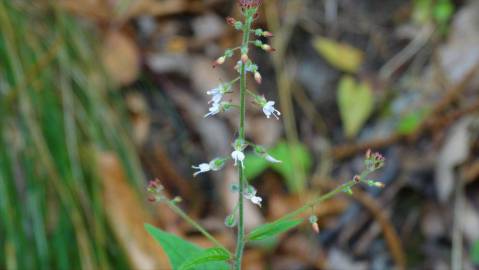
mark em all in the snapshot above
pixel 240 234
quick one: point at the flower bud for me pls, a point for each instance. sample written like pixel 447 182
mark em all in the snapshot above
pixel 372 183
pixel 216 164
pixel 244 58
pixel 249 3
pixel 228 53
pixel 238 25
pixel 219 61
pixel 267 48
pixel 356 179
pixel 258 43
pixel 230 221
pixel 379 184
pixel 267 34
pixel 368 154
pixel 257 77
pixel 314 223
pixel 231 21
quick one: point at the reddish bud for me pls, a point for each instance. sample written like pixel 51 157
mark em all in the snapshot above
pixel 257 77
pixel 368 154
pixel 267 34
pixel 315 227
pixel 154 184
pixel 249 3
pixel 151 199
pixel 356 179
pixel 244 58
pixel 230 21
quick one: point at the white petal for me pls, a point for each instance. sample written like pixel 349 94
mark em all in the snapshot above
pixel 256 200
pixel 272 159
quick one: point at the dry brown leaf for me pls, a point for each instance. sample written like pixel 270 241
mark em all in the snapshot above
pixel 162 8
pixel 141 119
pixel 126 215
pixel 96 10
pixel 121 58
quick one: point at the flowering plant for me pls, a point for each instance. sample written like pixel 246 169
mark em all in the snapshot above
pixel 245 65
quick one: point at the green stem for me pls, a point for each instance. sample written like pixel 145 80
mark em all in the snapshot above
pixel 172 205
pixel 325 197
pixel 240 235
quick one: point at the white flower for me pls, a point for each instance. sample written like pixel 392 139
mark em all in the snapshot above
pixel 250 194
pixel 203 167
pixel 214 109
pixel 214 165
pixel 256 200
pixel 271 159
pixel 216 93
pixel 268 110
pixel 238 156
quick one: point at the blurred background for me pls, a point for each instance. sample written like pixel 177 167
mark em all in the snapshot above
pixel 98 96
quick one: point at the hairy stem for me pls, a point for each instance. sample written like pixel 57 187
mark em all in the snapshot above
pixel 240 234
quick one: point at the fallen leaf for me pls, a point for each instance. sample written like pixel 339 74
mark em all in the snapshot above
pixel 355 101
pixel 126 216
pixel 340 55
pixel 121 58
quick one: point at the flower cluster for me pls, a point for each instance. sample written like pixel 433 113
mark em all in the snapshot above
pixel 373 161
pixel 244 65
pixel 246 4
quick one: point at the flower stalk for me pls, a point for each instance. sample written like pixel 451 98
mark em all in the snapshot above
pixel 240 235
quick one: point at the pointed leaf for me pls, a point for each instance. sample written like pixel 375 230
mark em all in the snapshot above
pixel 179 250
pixel 206 256
pixel 272 229
pixel 355 102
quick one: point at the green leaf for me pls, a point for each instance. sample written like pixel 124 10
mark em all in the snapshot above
pixel 340 55
pixel 296 161
pixel 355 101
pixel 422 11
pixel 475 253
pixel 411 121
pixel 206 256
pixel 254 165
pixel 272 229
pixel 443 11
pixel 179 251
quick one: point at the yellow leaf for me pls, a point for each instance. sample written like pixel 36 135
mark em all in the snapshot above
pixel 356 103
pixel 340 55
